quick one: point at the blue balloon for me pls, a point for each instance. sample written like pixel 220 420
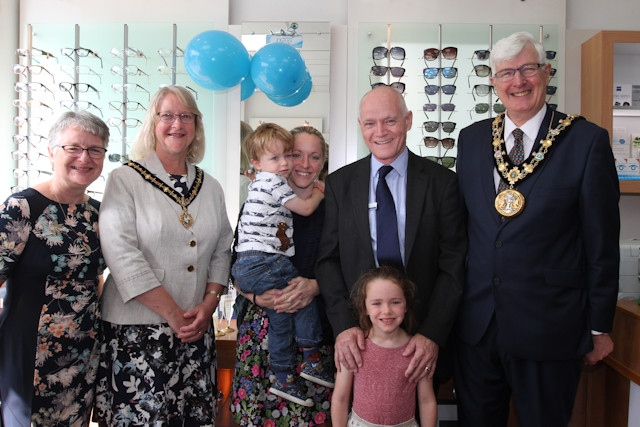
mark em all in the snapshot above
pixel 216 60
pixel 278 69
pixel 297 97
pixel 247 88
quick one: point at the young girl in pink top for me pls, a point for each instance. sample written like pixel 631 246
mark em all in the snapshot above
pixel 382 395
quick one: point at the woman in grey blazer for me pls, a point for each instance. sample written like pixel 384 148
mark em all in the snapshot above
pixel 166 241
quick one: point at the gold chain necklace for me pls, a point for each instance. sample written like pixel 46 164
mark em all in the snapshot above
pixel 510 202
pixel 185 217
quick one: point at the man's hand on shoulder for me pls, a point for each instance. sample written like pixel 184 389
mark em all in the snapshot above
pixel 349 344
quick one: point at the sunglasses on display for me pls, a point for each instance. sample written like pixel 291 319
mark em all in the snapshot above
pixel 481 90
pixel 481 55
pixel 432 54
pixel 432 142
pixel 553 72
pixel 446 161
pixel 431 126
pixel 381 52
pixel 483 107
pixel 115 157
pixel 550 54
pixel 551 90
pixel 399 86
pixel 481 70
pixel 446 89
pixel 381 70
pixel 447 72
pixel 552 106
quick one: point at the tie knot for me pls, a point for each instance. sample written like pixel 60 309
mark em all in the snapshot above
pixel 384 171
pixel 518 134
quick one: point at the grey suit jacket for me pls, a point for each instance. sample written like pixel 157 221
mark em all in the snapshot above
pixel 146 246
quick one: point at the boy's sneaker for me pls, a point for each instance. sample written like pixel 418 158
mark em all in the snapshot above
pixel 318 373
pixel 292 391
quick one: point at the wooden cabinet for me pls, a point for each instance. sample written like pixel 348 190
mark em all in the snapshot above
pixel 597 83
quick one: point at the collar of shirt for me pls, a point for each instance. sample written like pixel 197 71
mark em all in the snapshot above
pixel 530 129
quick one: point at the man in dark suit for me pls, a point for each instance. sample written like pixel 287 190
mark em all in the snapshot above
pixel 542 268
pixel 429 227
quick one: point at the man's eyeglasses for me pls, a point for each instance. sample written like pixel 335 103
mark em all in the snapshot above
pixel 381 52
pixel 76 151
pixel 399 86
pixel 31 69
pixel 446 89
pixel 526 70
pixel 432 142
pixel 446 161
pixel 32 87
pixel 431 126
pixel 447 72
pixel 79 105
pixel 185 118
pixel 381 70
pixel 432 54
pixel 80 51
pixel 79 87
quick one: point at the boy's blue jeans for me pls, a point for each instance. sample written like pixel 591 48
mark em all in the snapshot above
pixel 257 272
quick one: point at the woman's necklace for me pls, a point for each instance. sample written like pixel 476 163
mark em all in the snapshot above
pixel 510 202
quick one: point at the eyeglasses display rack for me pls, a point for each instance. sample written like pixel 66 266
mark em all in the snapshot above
pixel 443 72
pixel 110 70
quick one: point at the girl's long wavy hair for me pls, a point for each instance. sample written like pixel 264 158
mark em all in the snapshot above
pixel 359 296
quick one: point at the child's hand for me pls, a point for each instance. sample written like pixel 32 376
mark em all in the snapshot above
pixel 319 185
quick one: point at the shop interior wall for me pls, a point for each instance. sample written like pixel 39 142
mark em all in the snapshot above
pixel 580 18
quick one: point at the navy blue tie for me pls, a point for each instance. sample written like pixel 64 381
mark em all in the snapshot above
pixel 388 244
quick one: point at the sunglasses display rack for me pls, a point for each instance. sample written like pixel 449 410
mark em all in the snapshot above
pixel 110 70
pixel 443 71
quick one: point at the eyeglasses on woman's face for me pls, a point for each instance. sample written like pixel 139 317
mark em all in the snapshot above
pixel 185 118
pixel 74 151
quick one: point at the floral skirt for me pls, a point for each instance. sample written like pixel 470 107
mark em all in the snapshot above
pixel 147 376
pixel 251 404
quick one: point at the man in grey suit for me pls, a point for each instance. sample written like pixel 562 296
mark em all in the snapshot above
pixel 429 226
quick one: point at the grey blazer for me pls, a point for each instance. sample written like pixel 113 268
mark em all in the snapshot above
pixel 146 246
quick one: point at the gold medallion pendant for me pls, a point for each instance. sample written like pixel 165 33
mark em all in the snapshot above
pixel 509 202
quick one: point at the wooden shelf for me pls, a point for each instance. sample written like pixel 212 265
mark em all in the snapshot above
pixel 597 85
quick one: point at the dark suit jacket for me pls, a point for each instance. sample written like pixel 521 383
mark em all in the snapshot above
pixel 550 274
pixel 434 248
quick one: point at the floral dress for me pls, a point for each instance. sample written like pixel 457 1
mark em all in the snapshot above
pixel 50 261
pixel 251 404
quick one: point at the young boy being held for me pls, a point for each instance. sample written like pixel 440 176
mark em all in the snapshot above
pixel 264 245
